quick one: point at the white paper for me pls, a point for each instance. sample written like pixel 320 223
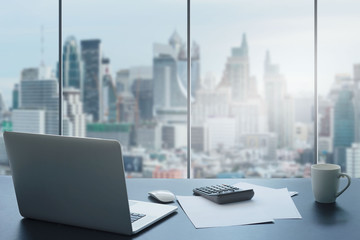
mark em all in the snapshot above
pixel 204 213
pixel 266 205
pixel 276 202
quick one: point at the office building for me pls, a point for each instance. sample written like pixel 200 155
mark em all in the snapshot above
pixel 173 136
pixel 222 132
pixel 169 90
pixel 195 69
pixel 29 74
pixel 236 73
pixel 42 95
pixel 356 92
pixel 149 136
pixel 108 101
pixel 125 77
pixel 353 160
pixel 287 136
pixel 304 108
pixel 3 156
pixel 15 96
pixel 72 64
pixel 250 117
pixel 142 90
pixel 74 112
pixel 29 120
pixel 199 138
pixel 122 80
pixel 344 126
pixel 301 136
pixel 210 103
pixel 2 108
pixel 280 106
pixel 91 55
pixel 264 143
pixel 126 108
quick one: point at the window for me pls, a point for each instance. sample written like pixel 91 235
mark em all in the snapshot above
pixel 124 74
pixel 253 100
pixel 124 71
pixel 29 96
pixel 338 81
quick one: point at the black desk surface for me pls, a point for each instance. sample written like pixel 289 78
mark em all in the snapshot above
pixel 329 221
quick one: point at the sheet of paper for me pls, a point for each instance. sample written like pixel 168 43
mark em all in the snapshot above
pixel 204 213
pixel 275 202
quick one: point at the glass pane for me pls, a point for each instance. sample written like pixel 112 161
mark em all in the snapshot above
pixel 125 79
pixel 253 98
pixel 28 85
pixel 339 78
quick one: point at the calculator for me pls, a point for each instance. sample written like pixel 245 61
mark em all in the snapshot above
pixel 224 193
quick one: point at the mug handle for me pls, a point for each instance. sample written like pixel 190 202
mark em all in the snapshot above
pixel 348 184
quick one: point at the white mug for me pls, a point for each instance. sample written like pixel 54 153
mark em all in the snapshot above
pixel 325 182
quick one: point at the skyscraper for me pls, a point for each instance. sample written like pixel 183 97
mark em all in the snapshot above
pixel 29 120
pixel 195 69
pixel 42 95
pixel 236 73
pixel 2 108
pixel 15 96
pixel 353 160
pixel 109 94
pixel 344 126
pixel 29 74
pixel 169 90
pixel 72 64
pixel 73 109
pixel 142 90
pixel 280 106
pixel 91 55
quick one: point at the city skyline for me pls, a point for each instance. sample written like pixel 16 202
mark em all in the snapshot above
pixel 298 19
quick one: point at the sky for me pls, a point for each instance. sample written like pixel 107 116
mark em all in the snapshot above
pixel 128 30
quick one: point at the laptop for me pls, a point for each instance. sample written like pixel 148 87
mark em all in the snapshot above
pixel 76 181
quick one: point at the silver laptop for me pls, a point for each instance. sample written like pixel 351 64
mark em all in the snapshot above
pixel 76 181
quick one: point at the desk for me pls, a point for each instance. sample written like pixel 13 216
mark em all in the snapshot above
pixel 334 221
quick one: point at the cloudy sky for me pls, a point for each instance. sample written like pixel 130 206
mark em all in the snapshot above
pixel 128 30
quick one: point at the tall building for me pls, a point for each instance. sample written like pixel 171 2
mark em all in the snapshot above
pixel 29 120
pixel 125 77
pixel 142 90
pixel 221 132
pixel 353 160
pixel 73 109
pixel 29 74
pixel 91 55
pixel 356 91
pixel 72 64
pixel 123 80
pixel 344 126
pixel 42 95
pixel 2 108
pixel 280 107
pixel 169 90
pixel 236 73
pixel 195 69
pixel 108 99
pixel 15 96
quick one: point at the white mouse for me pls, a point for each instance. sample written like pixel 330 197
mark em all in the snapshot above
pixel 164 196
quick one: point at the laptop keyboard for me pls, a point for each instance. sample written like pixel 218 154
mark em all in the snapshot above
pixel 136 216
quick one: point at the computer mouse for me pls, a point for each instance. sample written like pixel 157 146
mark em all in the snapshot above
pixel 163 196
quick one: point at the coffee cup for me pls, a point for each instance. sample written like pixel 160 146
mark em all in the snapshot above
pixel 325 182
